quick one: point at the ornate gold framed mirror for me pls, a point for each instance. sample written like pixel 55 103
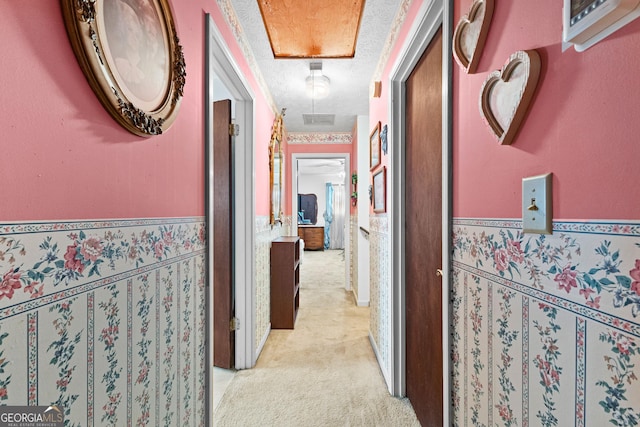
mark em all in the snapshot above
pixel 276 168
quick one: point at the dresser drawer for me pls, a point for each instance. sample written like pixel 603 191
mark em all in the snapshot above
pixel 313 237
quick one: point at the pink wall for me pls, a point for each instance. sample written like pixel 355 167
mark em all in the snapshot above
pixel 66 158
pixel 379 107
pixel 378 112
pixel 308 149
pixel 581 126
pixel 582 123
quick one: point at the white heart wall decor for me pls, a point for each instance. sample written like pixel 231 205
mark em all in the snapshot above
pixel 506 94
pixel 471 33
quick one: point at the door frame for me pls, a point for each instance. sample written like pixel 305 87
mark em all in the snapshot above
pixel 347 194
pixel 219 63
pixel 429 18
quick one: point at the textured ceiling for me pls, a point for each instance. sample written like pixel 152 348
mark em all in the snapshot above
pixel 350 77
pixel 321 167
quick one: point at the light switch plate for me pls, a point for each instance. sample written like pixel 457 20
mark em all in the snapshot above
pixel 537 204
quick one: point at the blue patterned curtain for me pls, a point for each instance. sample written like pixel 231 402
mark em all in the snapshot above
pixel 328 214
pixel 338 210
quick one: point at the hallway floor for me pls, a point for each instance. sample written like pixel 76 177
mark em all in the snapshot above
pixel 323 372
pixel 221 380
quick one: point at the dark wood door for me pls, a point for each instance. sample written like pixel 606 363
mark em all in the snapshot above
pixel 223 295
pixel 424 235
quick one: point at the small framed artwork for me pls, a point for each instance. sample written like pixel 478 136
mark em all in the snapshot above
pixel 383 137
pixel 380 190
pixel 131 56
pixel 374 147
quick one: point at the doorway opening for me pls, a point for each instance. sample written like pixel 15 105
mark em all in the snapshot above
pixel 316 164
pixel 224 80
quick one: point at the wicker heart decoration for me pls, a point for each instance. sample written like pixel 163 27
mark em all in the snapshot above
pixel 471 33
pixel 506 94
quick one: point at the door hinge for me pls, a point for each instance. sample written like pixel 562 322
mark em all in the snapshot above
pixel 234 129
pixel 234 324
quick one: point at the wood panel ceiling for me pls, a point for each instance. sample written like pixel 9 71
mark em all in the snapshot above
pixel 312 28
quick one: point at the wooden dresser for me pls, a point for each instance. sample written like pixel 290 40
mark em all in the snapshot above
pixel 313 237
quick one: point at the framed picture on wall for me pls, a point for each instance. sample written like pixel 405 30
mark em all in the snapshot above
pixel 130 54
pixel 380 190
pixel 374 147
pixel 586 22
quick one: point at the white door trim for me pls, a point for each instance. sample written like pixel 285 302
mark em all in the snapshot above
pixel 430 16
pixel 219 62
pixel 347 194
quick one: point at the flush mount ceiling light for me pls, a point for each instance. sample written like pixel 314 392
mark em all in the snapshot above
pixel 317 83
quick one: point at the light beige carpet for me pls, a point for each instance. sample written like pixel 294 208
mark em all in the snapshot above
pixel 323 372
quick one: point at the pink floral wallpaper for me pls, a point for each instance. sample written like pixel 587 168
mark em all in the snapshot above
pixel 380 293
pixel 106 319
pixel 545 328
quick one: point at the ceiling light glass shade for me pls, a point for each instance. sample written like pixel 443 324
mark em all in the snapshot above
pixel 317 85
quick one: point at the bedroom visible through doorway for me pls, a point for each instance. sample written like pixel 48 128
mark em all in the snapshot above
pixel 330 216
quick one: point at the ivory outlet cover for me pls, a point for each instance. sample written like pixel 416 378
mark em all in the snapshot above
pixel 537 204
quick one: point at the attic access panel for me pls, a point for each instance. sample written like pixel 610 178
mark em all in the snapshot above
pixel 312 28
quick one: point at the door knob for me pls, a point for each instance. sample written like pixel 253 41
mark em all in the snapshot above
pixel 439 272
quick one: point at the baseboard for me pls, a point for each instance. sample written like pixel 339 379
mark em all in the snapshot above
pixel 263 341
pixel 359 302
pixel 385 374
pixel 354 296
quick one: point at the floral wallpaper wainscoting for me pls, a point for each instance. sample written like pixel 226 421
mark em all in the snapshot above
pixel 264 235
pixel 546 328
pixel 106 319
pixel 380 292
pixel 353 260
